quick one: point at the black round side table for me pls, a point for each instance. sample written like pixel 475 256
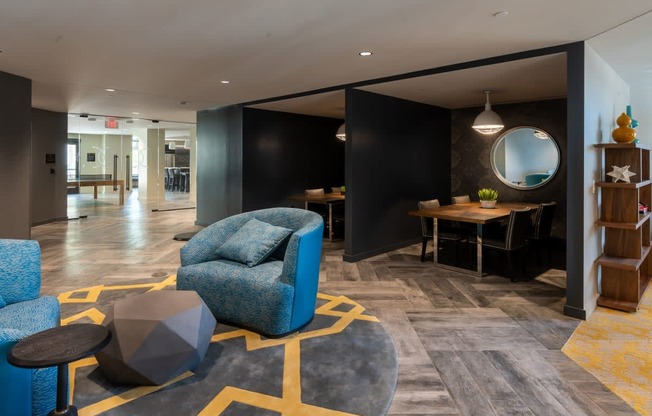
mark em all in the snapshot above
pixel 60 346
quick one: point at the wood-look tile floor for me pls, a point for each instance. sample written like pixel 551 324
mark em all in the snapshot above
pixel 467 345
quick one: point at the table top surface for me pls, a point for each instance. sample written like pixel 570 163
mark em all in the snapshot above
pixel 59 345
pixel 95 181
pixel 472 212
pixel 318 199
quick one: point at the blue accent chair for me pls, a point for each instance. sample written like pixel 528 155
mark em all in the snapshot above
pixel 273 298
pixel 536 178
pixel 23 313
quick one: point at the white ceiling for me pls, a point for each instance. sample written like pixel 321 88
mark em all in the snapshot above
pixel 158 54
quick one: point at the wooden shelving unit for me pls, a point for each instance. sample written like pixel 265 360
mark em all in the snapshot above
pixel 626 262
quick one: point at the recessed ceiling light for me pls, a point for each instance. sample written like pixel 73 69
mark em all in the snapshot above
pixel 501 14
pixel 366 53
pixel 109 89
pixel 225 82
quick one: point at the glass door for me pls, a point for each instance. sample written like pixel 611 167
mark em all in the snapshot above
pixel 116 163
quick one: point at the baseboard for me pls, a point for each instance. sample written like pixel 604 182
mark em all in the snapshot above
pixel 574 312
pixel 48 221
pixel 352 258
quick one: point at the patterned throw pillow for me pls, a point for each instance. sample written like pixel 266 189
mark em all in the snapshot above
pixel 253 243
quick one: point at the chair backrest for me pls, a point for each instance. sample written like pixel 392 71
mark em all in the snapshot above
pixel 426 226
pixel 20 270
pixel 462 199
pixel 517 227
pixel 543 220
pixel 313 192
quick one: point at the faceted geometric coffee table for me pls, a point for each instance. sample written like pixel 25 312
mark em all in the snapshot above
pixel 157 336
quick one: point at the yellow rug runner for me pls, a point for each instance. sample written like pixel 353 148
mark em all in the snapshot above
pixel 616 347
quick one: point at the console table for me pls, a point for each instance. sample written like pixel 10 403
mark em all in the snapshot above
pixel 95 183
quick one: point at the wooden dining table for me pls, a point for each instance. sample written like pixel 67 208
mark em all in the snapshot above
pixel 325 199
pixel 469 213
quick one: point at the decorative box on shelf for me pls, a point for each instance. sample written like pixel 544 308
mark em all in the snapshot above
pixel 626 264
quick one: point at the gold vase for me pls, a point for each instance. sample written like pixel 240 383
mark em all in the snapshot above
pixel 624 133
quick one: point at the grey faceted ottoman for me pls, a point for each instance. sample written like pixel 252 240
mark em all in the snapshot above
pixel 156 336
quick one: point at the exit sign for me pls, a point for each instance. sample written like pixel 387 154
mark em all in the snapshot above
pixel 111 123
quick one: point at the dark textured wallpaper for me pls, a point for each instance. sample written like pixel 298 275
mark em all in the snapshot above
pixel 471 159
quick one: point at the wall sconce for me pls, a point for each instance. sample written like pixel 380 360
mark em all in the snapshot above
pixel 341 132
pixel 488 122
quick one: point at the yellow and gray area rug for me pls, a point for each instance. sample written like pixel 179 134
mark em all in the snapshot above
pixel 342 363
pixel 616 347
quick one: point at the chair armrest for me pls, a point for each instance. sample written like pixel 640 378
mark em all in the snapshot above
pixel 20 270
pixel 16 391
pixel 298 253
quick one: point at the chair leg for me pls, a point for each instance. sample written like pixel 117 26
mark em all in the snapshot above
pixel 424 243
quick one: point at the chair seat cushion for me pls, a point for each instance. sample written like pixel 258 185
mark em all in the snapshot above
pixel 252 297
pixel 495 243
pixel 253 242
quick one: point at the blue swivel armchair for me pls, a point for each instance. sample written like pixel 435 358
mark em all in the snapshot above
pixel 22 313
pixel 258 270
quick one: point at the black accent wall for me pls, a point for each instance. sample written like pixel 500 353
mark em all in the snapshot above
pixel 397 153
pixel 15 156
pixel 219 164
pixel 49 193
pixel 471 154
pixel 285 154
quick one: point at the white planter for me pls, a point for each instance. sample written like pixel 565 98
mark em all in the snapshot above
pixel 488 204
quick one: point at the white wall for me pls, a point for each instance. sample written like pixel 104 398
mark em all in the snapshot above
pixel 606 96
pixel 642 111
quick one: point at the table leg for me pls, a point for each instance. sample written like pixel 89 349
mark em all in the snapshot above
pixel 330 222
pixel 62 394
pixel 434 240
pixel 122 194
pixel 94 191
pixel 479 248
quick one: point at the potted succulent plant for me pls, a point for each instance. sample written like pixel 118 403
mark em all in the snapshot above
pixel 488 197
pixel 343 190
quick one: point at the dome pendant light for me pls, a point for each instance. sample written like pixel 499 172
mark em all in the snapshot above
pixel 488 122
pixel 341 133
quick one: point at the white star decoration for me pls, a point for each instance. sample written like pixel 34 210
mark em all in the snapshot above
pixel 621 173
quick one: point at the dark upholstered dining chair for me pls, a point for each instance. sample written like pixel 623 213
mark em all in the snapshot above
pixel 461 199
pixel 513 240
pixel 314 192
pixel 540 231
pixel 444 232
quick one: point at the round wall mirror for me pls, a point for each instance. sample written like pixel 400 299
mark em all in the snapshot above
pixel 525 157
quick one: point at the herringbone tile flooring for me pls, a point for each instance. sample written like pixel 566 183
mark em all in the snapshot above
pixel 466 345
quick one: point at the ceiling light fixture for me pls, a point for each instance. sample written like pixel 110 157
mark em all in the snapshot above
pixel 341 133
pixel 366 53
pixel 541 135
pixel 488 122
pixel 501 14
pixel 135 113
pixel 109 89
pixel 225 82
